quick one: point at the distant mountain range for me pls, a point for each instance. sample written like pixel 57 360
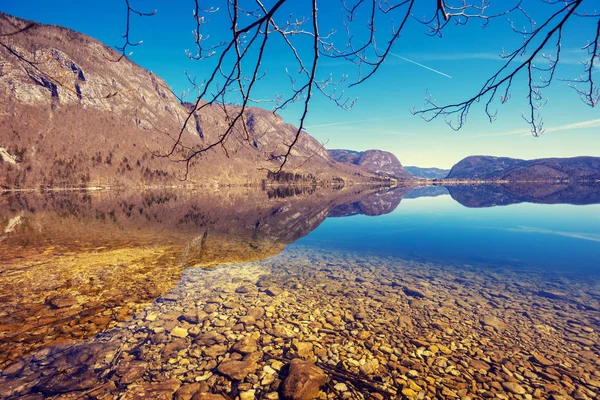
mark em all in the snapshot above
pixel 512 169
pixel 427 173
pixel 375 161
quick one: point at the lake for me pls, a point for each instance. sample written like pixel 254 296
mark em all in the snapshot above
pixel 487 291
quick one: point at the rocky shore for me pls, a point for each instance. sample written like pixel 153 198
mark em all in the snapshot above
pixel 306 324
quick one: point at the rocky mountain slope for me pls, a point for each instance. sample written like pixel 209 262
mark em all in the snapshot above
pixel 72 116
pixel 511 169
pixel 427 173
pixel 376 161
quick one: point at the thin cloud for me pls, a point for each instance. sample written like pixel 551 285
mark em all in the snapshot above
pixel 565 60
pixel 593 123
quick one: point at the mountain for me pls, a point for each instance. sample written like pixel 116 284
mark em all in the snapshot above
pixel 71 116
pixel 427 173
pixel 511 169
pixel 374 161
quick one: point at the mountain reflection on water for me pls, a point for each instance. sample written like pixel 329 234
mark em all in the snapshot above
pixel 75 264
pixel 78 264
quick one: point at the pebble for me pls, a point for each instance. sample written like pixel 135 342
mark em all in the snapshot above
pixel 513 387
pixel 179 332
pixel 221 333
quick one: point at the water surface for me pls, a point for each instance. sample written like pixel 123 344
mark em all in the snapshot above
pixel 458 292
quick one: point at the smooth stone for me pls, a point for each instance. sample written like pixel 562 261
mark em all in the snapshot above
pixel 209 338
pixel 186 392
pixel 245 289
pixel 386 349
pixel 246 345
pixel 304 381
pixel 282 331
pixel 413 291
pixel 248 395
pixel 248 320
pixel 540 359
pixel 179 332
pixel 151 317
pixel 513 387
pixel 304 349
pixel 211 308
pixel 208 396
pixel 238 370
pixel 215 350
pixel 494 322
pixel 363 335
pixel 256 312
pixel 273 291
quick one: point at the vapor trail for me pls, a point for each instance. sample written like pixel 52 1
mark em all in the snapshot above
pixel 421 65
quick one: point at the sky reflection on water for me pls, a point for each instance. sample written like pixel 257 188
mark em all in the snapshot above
pixel 553 237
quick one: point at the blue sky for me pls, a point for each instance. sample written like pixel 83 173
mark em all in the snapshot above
pixel 381 119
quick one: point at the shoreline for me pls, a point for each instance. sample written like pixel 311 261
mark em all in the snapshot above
pixel 391 185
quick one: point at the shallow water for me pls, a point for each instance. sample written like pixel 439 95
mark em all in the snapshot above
pixel 460 292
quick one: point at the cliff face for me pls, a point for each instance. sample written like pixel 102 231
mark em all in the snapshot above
pixel 72 116
pixel 374 161
pixel 503 168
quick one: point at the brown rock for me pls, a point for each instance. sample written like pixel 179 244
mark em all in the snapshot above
pixel 282 331
pixel 131 371
pixel 256 312
pixel 274 291
pixel 215 350
pixel 363 335
pixel 211 308
pixel 208 396
pixel 248 320
pixel 244 289
pixel 186 392
pixel 304 349
pixel 494 322
pixel 209 338
pixel 413 291
pixel 246 345
pixel 304 381
pixel 540 359
pixel 61 301
pixel 513 387
pixel 238 370
pixel 153 390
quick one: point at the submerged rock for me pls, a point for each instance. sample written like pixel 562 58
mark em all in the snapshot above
pixel 513 387
pixel 246 345
pixel 238 370
pixel 494 322
pixel 304 381
pixel 540 359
